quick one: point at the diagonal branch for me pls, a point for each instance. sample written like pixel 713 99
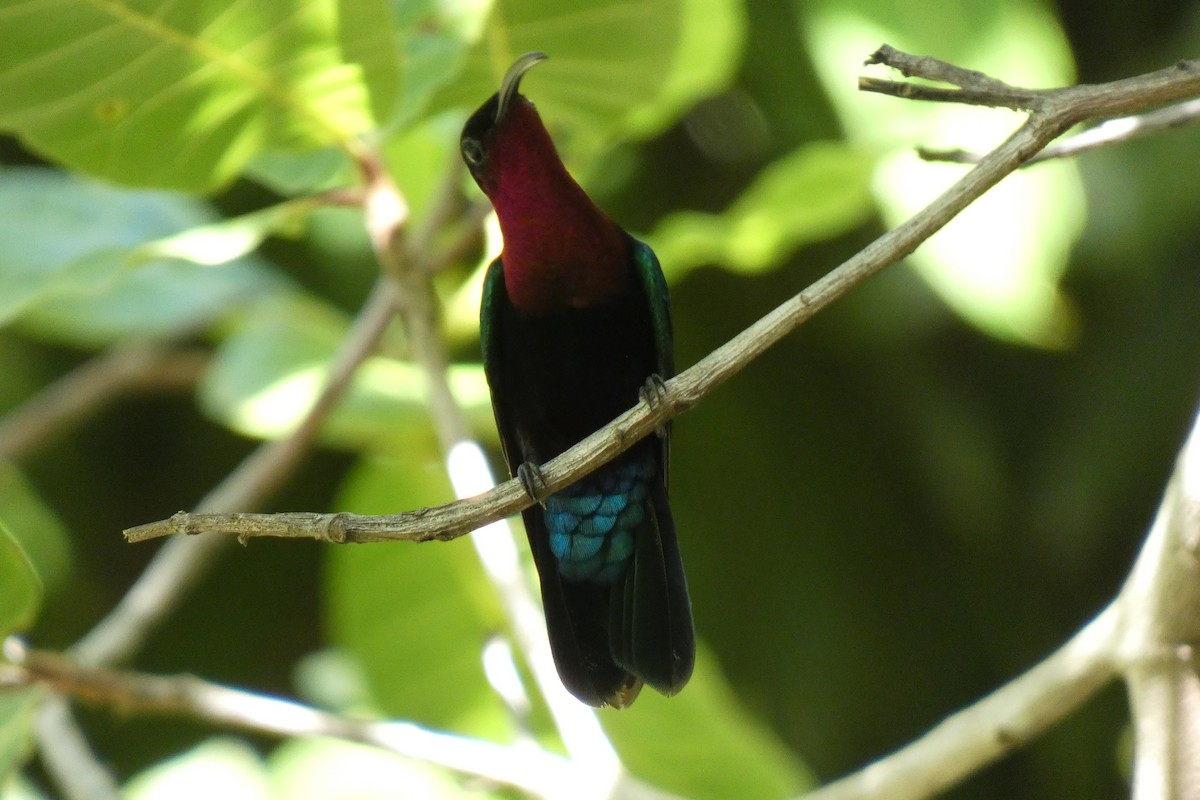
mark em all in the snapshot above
pixel 1055 111
pixel 451 520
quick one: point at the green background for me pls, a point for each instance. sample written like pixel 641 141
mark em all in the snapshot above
pixel 911 500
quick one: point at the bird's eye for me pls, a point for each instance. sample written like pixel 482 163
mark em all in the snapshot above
pixel 472 152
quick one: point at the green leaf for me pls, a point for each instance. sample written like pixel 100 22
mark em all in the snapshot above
pixel 20 585
pixel 416 616
pixel 712 34
pixel 328 769
pixel 999 263
pixel 182 95
pixel 370 38
pixel 226 768
pixel 35 526
pixel 819 191
pixel 703 744
pixel 436 36
pixel 293 172
pixel 90 264
pixel 269 372
pixel 615 68
pixel 16 723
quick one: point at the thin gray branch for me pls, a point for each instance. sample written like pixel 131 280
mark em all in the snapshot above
pixel 525 767
pixel 88 388
pixel 70 762
pixel 182 562
pixel 1160 605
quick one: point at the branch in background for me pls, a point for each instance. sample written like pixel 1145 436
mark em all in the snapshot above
pixel 992 727
pixel 1055 111
pixel 528 768
pixel 92 386
pixel 1146 634
pixel 182 562
pixel 179 565
pixel 1114 131
pixel 79 774
pixel 524 766
pixel 1160 630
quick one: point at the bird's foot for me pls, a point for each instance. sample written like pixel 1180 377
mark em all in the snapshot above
pixel 654 394
pixel 530 475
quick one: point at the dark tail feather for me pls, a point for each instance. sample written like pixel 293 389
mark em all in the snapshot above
pixel 577 620
pixel 609 638
pixel 656 641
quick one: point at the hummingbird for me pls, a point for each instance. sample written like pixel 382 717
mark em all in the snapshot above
pixel 575 325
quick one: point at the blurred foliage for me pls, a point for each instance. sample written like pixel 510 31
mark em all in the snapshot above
pixel 907 503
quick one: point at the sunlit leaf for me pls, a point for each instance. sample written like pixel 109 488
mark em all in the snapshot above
pixel 224 768
pixel 821 190
pixel 20 585
pixel 703 744
pixel 270 370
pixel 292 172
pixel 615 67
pixel 18 787
pixel 435 39
pixel 182 95
pixel 712 34
pixel 91 264
pixel 415 616
pixel 327 769
pixel 998 264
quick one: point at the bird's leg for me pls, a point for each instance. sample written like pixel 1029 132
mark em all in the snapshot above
pixel 654 393
pixel 530 475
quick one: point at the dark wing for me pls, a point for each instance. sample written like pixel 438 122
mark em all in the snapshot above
pixel 492 309
pixel 660 644
pixel 658 299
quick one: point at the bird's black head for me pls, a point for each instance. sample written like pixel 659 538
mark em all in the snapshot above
pixel 479 134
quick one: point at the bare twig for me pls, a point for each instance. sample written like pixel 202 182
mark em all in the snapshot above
pixel 1074 103
pixel 181 563
pixel 91 386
